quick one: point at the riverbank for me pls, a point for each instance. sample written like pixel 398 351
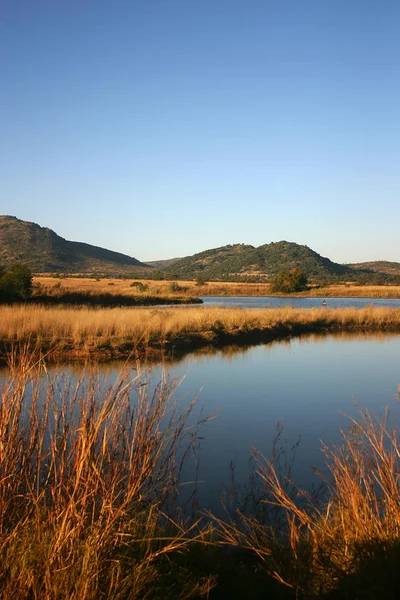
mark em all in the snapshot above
pixel 172 289
pixel 68 332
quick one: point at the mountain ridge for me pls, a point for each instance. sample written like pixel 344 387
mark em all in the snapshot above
pixel 246 261
pixel 44 251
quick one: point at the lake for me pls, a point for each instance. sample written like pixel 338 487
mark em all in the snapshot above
pixel 276 302
pixel 301 383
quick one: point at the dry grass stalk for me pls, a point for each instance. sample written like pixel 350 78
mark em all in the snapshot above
pixel 348 539
pixel 87 477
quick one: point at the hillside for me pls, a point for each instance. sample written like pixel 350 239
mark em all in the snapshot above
pixel 378 266
pixel 241 261
pixel 162 264
pixel 46 252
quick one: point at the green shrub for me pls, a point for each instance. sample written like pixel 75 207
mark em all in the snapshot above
pixel 15 284
pixel 288 282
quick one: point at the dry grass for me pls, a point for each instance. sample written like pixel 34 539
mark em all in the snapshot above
pixel 346 544
pixel 87 479
pixel 353 291
pixel 56 286
pixel 118 331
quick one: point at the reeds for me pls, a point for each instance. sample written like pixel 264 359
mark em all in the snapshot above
pixel 344 543
pixel 119 331
pixel 89 480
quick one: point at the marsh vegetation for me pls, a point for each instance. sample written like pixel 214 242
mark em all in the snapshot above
pixel 90 508
pixel 117 332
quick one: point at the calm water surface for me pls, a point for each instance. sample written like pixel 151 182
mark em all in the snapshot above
pixel 303 383
pixel 276 302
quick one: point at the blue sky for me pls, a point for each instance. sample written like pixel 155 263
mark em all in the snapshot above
pixel 160 128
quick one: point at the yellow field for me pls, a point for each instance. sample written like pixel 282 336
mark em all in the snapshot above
pixel 121 330
pixel 56 286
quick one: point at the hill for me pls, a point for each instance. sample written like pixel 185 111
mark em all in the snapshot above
pixel 43 251
pixel 241 261
pixel 162 264
pixel 378 266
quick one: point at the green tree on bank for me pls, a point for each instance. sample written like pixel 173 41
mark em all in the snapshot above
pixel 15 283
pixel 288 282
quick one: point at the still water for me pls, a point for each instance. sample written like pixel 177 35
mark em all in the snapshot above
pixel 304 383
pixel 276 302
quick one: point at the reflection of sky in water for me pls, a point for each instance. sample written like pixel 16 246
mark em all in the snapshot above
pixel 303 384
pixel 274 302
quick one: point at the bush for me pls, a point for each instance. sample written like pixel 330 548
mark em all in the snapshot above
pixel 175 287
pixel 15 284
pixel 200 281
pixel 141 287
pixel 288 282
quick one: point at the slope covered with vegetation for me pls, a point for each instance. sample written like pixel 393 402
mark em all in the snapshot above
pixel 242 261
pixel 43 251
pixel 378 266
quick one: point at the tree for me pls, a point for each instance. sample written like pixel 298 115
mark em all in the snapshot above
pixel 288 282
pixel 16 283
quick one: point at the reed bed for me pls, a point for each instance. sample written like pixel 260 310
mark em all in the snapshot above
pixel 119 331
pixel 89 479
pixel 344 543
pixel 89 502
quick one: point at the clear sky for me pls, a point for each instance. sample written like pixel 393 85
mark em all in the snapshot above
pixel 160 128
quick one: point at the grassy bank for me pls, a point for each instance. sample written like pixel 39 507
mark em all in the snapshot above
pixel 343 543
pixel 88 489
pixel 120 331
pixel 185 289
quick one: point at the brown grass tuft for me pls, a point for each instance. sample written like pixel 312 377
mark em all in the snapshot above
pixel 88 477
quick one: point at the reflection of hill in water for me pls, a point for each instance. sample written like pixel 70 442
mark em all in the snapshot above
pixel 227 353
pixel 230 352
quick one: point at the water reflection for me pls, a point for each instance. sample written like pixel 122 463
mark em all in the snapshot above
pixel 279 302
pixel 305 383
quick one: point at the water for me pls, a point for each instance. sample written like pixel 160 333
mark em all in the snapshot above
pixel 276 302
pixel 303 384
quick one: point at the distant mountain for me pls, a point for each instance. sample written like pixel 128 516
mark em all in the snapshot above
pixel 378 266
pixel 162 264
pixel 46 252
pixel 241 261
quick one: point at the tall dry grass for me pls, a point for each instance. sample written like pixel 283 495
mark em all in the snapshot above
pixel 121 330
pixel 344 543
pixel 161 288
pixel 88 477
pixel 57 286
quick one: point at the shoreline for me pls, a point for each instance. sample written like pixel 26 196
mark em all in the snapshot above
pixel 103 334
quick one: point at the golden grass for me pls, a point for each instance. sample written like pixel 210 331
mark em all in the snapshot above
pixel 89 478
pixel 56 286
pixel 344 543
pixel 121 330
pixel 88 489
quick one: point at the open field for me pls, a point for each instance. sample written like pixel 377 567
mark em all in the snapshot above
pixel 120 331
pixel 55 286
